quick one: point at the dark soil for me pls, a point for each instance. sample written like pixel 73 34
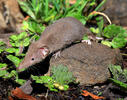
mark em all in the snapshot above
pixel 108 90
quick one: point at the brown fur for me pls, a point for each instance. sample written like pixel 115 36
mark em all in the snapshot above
pixel 55 37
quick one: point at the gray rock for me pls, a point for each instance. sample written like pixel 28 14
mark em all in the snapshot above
pixel 27 88
pixel 117 11
pixel 89 63
pixel 10 16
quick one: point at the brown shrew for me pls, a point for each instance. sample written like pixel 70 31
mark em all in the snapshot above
pixel 55 37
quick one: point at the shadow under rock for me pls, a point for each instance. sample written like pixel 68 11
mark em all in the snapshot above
pixel 38 69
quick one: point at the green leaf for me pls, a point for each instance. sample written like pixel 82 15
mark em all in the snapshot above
pixel 112 30
pixel 27 8
pixel 26 42
pixel 116 71
pixel 3 73
pixel 2 46
pixel 38 7
pixel 120 40
pixel 35 77
pixel 125 73
pixel 118 43
pixel 118 35
pixel 13 37
pixel 46 7
pixel 13 50
pixel 61 75
pixel 46 80
pixel 83 4
pixel 3 65
pixel 1 50
pixel 10 50
pixel 20 81
pixel 14 59
pixel 9 75
pixel 85 37
pixel 119 83
pixel 35 37
pixel 18 44
pixel 14 72
pixel 66 87
pixel 2 43
pixel 53 89
pixel 22 35
pixel 21 40
pixel 25 25
pixel 21 70
pixel 100 24
pixel 42 79
pixel 105 42
pixel 78 16
pixel 35 27
pixel 94 30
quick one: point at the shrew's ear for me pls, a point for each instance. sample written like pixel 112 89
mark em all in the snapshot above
pixel 44 51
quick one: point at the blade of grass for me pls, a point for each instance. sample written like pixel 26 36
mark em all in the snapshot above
pixel 56 4
pixel 46 7
pixel 83 5
pixel 96 9
pixel 67 3
pixel 27 8
pixel 71 9
pixel 119 83
pixel 100 5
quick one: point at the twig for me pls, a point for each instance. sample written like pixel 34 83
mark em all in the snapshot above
pixel 103 14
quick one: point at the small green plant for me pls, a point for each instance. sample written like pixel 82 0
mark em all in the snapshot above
pixel 47 11
pixel 4 73
pixel 59 79
pixel 116 36
pixel 20 40
pixel 100 23
pixel 2 46
pixel 32 27
pixel 50 10
pixel 120 99
pixel 61 75
pixel 119 76
pixel 12 54
pixel 16 41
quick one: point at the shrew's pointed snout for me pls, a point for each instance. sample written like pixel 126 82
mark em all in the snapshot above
pixel 22 66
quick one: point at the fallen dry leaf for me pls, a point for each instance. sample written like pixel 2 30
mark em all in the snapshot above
pixel 125 27
pixel 18 93
pixel 9 98
pixel 86 93
pixel 26 18
pixel 72 1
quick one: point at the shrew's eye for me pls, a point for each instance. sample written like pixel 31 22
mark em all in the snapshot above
pixel 32 59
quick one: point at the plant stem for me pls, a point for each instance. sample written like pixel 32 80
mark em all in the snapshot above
pixel 97 8
pixel 46 7
pixel 100 5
